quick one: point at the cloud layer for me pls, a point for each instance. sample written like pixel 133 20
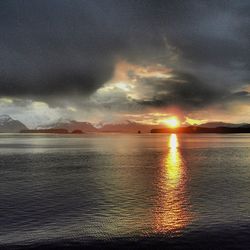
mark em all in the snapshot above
pixel 64 53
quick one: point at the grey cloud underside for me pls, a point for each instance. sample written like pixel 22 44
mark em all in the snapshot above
pixel 183 90
pixel 51 48
pixel 188 92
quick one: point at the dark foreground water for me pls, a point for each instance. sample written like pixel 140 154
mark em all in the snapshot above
pixel 126 191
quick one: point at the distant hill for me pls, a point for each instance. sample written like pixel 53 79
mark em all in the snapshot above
pixel 70 125
pixel 45 131
pixel 221 124
pixel 245 126
pixel 127 127
pixel 9 125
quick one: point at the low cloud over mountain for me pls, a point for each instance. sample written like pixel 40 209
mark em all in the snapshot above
pixel 8 125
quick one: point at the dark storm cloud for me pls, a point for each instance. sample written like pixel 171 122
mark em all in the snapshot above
pixel 61 48
pixel 184 90
pixel 188 92
pixel 54 47
pixel 242 96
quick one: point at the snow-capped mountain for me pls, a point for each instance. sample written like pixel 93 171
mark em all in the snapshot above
pixel 9 125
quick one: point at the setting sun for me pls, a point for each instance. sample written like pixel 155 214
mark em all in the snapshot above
pixel 172 122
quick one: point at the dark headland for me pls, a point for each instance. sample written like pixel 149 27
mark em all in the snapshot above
pixel 198 130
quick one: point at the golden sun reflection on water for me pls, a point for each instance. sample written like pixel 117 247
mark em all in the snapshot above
pixel 173 161
pixel 172 213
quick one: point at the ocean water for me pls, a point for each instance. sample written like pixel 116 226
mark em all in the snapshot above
pixel 153 188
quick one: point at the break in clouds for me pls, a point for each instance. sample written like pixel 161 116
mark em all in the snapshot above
pixel 98 60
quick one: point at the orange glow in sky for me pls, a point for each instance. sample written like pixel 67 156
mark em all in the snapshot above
pixel 172 122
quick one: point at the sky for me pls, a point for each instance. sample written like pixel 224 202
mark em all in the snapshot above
pixel 138 60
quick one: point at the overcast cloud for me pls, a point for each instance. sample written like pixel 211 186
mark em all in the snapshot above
pixel 65 53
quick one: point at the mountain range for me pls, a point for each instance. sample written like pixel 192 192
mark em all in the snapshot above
pixel 127 127
pixel 70 125
pixel 9 125
pixel 222 124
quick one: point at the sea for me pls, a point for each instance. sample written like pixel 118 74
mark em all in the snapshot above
pixel 127 191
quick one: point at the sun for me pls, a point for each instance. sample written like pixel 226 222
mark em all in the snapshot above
pixel 172 122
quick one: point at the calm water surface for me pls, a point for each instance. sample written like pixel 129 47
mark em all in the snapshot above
pixel 115 185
